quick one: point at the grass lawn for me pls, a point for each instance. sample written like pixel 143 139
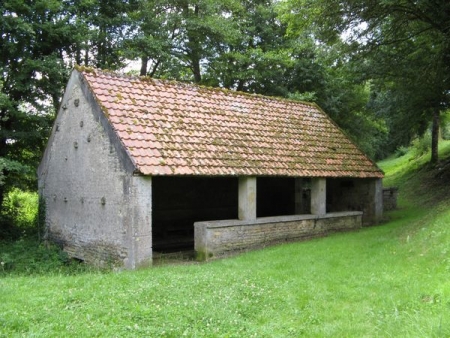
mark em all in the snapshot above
pixel 391 280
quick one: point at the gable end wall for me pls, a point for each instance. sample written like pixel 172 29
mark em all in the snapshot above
pixel 95 207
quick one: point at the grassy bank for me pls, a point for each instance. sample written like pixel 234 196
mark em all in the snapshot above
pixel 392 280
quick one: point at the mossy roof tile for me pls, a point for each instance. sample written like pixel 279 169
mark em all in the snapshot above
pixel 172 128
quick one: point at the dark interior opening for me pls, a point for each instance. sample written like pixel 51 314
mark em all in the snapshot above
pixel 341 195
pixel 275 196
pixel 178 202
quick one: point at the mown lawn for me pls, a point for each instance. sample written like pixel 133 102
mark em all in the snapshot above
pixel 391 280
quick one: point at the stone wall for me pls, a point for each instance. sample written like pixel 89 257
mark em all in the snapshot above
pixel 356 194
pixel 221 238
pixel 390 198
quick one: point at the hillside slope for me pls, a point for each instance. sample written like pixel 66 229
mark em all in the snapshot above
pixel 420 184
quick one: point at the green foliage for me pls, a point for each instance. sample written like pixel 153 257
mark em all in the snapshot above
pixel 22 252
pixel 2 168
pixel 401 47
pixel 41 40
pixel 21 207
pixel 306 96
pixel 419 182
pixel 19 215
pixel 421 145
pixel 19 174
pixel 35 38
pixel 445 125
pixel 401 151
pixel 347 104
pixel 28 256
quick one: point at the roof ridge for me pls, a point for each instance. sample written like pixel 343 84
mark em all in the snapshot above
pixel 95 71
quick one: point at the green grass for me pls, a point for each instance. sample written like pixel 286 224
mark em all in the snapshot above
pixel 400 168
pixel 391 280
pixel 420 184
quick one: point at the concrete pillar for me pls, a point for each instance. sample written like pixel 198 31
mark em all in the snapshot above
pixel 139 232
pixel 378 200
pixel 247 198
pixel 318 196
pixel 298 196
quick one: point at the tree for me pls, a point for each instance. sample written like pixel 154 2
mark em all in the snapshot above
pixel 40 42
pixel 111 22
pixel 258 57
pixel 239 45
pixel 400 42
pixel 37 36
pixel 177 39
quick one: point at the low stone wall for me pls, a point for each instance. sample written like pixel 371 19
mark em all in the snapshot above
pixel 222 238
pixel 390 198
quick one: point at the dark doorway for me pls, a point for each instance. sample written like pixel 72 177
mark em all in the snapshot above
pixel 178 202
pixel 275 196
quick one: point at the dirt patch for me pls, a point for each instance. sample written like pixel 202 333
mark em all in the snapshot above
pixel 174 258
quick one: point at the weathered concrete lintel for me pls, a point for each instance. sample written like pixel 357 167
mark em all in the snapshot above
pixel 275 219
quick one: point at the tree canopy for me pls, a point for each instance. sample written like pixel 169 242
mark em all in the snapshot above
pixel 402 47
pixel 379 69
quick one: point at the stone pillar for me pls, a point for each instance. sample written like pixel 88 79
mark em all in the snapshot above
pixel 247 198
pixel 378 200
pixel 318 196
pixel 298 196
pixel 139 232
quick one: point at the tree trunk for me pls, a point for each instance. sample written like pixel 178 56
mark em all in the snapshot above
pixel 4 124
pixel 2 197
pixel 86 56
pixel 196 69
pixel 435 137
pixel 193 45
pixel 155 68
pixel 144 63
pixel 240 86
pixel 78 55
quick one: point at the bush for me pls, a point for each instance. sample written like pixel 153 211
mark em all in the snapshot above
pixel 401 151
pixel 22 252
pixel 19 214
pixel 21 207
pixel 421 145
pixel 446 133
pixel 445 125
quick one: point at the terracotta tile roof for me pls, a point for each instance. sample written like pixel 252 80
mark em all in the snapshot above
pixel 171 128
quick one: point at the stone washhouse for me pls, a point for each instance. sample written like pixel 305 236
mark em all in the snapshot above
pixel 136 166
